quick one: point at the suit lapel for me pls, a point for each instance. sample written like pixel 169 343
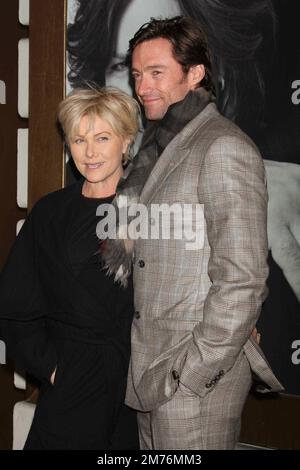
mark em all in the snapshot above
pixel 173 155
pixel 167 162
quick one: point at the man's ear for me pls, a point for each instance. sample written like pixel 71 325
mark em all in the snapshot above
pixel 196 74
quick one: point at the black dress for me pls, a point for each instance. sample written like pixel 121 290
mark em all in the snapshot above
pixel 60 309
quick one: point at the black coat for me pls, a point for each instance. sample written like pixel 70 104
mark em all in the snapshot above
pixel 53 315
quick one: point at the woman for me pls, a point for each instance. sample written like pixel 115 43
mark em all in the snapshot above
pixel 64 320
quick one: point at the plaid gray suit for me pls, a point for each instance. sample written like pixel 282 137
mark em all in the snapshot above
pixel 191 345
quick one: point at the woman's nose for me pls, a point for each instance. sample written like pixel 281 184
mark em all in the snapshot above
pixel 90 150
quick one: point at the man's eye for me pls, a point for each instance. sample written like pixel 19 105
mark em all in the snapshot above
pixel 156 72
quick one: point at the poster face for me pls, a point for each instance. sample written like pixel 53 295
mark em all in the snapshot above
pixel 115 22
pixel 257 67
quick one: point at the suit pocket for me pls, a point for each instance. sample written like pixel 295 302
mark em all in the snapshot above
pixel 175 325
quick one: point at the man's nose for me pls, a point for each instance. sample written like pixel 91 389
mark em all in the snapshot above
pixel 143 85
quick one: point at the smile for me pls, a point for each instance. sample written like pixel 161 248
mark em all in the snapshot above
pixel 93 166
pixel 150 100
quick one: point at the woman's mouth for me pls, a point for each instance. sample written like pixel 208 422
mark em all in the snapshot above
pixel 94 166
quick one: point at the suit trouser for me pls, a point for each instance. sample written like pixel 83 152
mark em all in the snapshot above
pixel 188 421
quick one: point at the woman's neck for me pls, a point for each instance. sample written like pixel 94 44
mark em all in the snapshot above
pixel 94 190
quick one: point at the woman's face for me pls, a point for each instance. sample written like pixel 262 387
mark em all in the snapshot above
pixel 97 153
pixel 136 14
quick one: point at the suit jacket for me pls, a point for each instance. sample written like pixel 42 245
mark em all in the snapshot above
pixel 195 309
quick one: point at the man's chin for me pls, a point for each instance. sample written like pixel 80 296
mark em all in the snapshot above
pixel 154 114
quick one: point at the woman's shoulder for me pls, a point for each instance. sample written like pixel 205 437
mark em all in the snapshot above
pixel 56 200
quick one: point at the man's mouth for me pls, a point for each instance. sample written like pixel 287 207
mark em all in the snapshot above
pixel 150 100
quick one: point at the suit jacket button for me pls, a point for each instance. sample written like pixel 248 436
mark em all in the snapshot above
pixel 137 314
pixel 141 263
pixel 175 374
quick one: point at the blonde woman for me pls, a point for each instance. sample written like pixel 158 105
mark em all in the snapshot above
pixel 63 318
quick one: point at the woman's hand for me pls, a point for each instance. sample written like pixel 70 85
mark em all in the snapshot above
pixel 256 335
pixel 52 378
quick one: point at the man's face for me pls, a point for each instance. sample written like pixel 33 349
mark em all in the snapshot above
pixel 159 78
pixel 135 14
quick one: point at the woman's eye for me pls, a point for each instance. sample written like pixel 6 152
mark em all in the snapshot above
pixel 78 141
pixel 118 67
pixel 102 139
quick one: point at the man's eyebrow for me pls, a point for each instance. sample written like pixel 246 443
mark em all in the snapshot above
pixel 151 67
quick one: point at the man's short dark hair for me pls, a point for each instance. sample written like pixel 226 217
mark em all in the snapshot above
pixel 188 41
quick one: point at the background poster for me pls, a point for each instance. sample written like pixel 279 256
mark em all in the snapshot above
pixel 256 55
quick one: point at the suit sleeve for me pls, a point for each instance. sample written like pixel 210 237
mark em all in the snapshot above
pixel 23 307
pixel 232 189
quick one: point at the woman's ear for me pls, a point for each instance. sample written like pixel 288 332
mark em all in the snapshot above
pixel 126 142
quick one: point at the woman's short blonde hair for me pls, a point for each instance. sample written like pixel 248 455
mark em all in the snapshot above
pixel 120 110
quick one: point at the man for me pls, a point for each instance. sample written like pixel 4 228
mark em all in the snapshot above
pixel 240 36
pixel 195 308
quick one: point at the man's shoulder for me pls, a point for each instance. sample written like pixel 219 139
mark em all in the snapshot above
pixel 218 123
pixel 210 125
